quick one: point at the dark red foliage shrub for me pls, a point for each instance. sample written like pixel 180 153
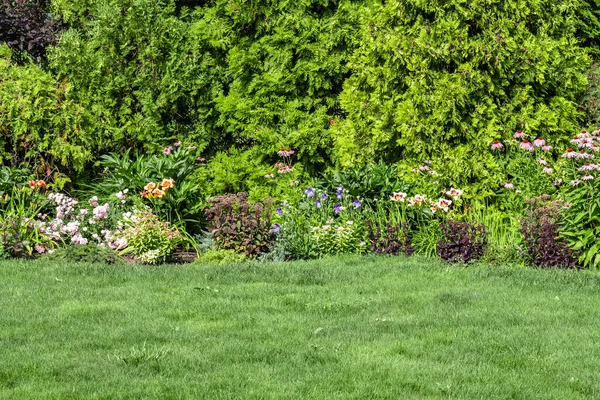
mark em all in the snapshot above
pixel 236 224
pixel 26 26
pixel 391 239
pixel 461 241
pixel 539 227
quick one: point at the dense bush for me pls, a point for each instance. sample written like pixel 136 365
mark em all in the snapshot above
pixel 235 224
pixel 391 239
pixel 543 246
pixel 461 241
pixel 442 80
pixel 27 27
pixel 39 123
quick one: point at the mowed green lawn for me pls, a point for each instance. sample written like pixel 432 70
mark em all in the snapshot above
pixel 341 328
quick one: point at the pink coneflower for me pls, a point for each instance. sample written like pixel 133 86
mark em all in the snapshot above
pixel 557 182
pixel 584 155
pixel 541 161
pixel 177 143
pixel 575 182
pixel 286 152
pixel 423 168
pixel 587 167
pixel 547 170
pixel 570 153
pixel 286 169
pixel 583 134
pixel 526 145
pixel 429 162
pixel 398 196
pixel 270 175
pixel 576 140
pixel 496 145
pixel 595 147
pixel 192 147
pixel 167 150
pixel 294 183
pixel 201 159
pixel 547 148
pixel 433 173
pixel 509 185
pixel 587 177
pixel 539 142
pixel 519 135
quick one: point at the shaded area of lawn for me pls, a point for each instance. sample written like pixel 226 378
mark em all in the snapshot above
pixel 339 328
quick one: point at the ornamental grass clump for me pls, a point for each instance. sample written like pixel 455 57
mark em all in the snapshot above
pixel 236 224
pixel 461 241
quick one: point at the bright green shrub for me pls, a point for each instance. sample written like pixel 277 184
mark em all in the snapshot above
pixel 135 68
pixel 39 123
pixel 442 80
pixel 285 66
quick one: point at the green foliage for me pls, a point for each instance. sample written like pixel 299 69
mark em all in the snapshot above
pixel 182 203
pixel 90 253
pixel 590 98
pixel 149 240
pixel 139 71
pixel 20 233
pixel 442 80
pixel 285 64
pixel 221 256
pixel 367 181
pixel 39 123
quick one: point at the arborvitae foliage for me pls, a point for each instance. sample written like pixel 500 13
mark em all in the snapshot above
pixel 286 62
pixel 443 79
pixel 135 66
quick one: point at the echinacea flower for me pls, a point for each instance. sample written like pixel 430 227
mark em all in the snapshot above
pixel 526 145
pixel 519 135
pixel 310 192
pixel 285 152
pixel 557 182
pixel 539 142
pixel 509 185
pixel 294 183
pixel 497 145
pixel 542 161
pixel 398 196
pixel 587 167
pixel 269 175
pixel 547 170
pixel 424 168
pixel 587 177
pixel 167 150
pixel 177 143
pixel 570 153
pixel 547 148
pixel 575 182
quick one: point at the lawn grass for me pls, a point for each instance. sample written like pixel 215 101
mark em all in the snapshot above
pixel 340 328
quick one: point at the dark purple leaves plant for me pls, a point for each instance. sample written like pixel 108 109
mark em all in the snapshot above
pixel 236 224
pixel 390 239
pixel 461 241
